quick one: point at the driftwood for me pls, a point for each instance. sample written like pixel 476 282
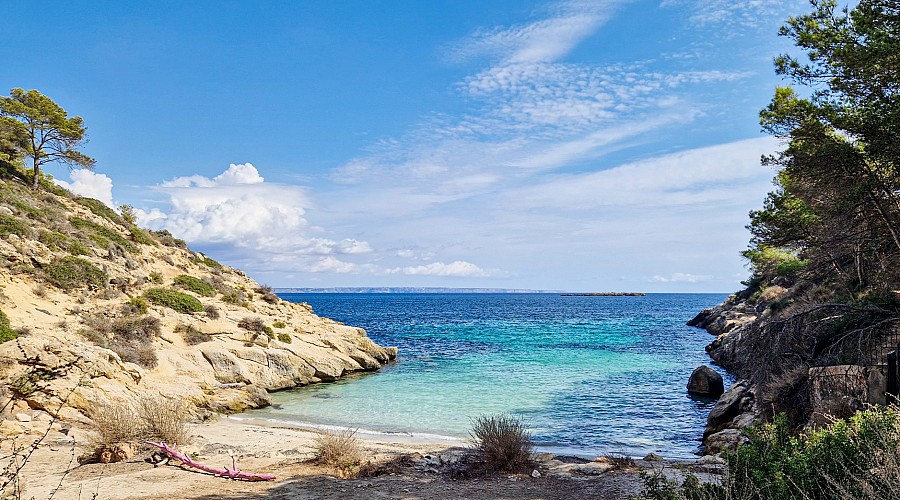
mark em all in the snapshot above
pixel 232 473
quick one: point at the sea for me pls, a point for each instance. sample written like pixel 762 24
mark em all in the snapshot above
pixel 588 375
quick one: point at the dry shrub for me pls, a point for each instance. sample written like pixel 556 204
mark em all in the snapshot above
pixel 212 312
pixel 164 419
pixel 268 294
pixel 193 336
pixel 502 442
pixel 340 450
pixel 252 324
pixel 129 337
pixel 116 423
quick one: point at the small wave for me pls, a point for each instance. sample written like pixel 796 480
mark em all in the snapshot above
pixel 406 436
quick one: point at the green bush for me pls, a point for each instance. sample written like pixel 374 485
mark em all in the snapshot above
pixel 137 305
pixel 13 225
pixel 166 238
pixel 854 458
pixel 173 299
pixel 195 285
pixel 70 273
pixel 283 337
pixel 101 235
pixel 6 333
pixel 100 209
pixel 278 324
pixel 156 277
pixel 141 236
pixel 206 261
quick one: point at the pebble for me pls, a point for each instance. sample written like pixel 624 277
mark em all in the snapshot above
pixel 535 474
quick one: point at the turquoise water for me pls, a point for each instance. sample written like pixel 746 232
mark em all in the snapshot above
pixel 589 375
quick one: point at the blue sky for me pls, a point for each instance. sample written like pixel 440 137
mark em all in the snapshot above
pixel 583 145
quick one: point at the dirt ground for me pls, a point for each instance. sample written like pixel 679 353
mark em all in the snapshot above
pixel 396 470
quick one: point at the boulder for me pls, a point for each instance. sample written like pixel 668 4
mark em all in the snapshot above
pixel 726 440
pixel 729 406
pixel 706 382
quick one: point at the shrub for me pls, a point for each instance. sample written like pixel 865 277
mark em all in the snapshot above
pixel 136 305
pixel 6 332
pixel 131 338
pixel 192 336
pixel 269 332
pixel 164 419
pixel 166 238
pixel 234 296
pixel 70 273
pixel 278 324
pixel 206 261
pixel 195 285
pixel 212 312
pixel 502 442
pixel 77 247
pixel 140 236
pixel 283 337
pixel 13 225
pixel 854 458
pixel 173 299
pixel 340 450
pixel 100 209
pixel 156 277
pixel 267 294
pixel 256 325
pixel 115 423
pixel 101 235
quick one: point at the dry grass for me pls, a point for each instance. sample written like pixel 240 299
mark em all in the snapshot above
pixel 164 419
pixel 340 450
pixel 502 442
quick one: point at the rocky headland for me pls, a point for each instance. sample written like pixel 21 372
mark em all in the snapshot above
pixel 99 311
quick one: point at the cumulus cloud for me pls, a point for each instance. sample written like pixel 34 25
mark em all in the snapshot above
pixel 237 209
pixel 456 268
pixel 89 184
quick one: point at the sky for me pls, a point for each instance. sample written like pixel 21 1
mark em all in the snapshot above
pixel 604 145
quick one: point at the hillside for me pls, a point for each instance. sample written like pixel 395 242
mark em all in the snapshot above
pixel 97 310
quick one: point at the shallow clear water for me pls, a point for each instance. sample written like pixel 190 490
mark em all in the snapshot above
pixel 589 375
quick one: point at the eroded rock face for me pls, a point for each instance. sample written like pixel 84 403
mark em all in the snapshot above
pixel 60 368
pixel 705 381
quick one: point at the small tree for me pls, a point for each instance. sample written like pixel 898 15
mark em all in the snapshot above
pixel 51 135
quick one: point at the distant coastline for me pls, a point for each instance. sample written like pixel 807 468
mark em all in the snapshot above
pixel 605 294
pixel 408 289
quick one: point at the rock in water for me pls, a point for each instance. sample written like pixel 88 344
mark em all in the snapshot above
pixel 706 382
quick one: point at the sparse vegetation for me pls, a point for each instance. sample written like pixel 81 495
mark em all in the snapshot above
pixel 212 312
pixel 173 299
pixel 152 418
pixel 140 236
pixel 156 277
pixel 278 324
pixel 501 442
pixel 267 294
pixel 166 238
pixel 6 332
pixel 208 262
pixel 136 305
pixel 284 337
pixel 102 236
pixel 69 273
pixel 193 336
pixel 195 285
pixel 10 224
pixel 340 450
pixel 253 324
pixel 130 337
pixel 100 209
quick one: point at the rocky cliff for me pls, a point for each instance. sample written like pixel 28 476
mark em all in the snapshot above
pixel 98 310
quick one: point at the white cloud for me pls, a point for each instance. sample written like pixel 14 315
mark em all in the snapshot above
pixel 745 14
pixel 457 268
pixel 681 278
pixel 238 210
pixel 331 265
pixel 89 184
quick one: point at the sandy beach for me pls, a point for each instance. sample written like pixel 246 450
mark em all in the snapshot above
pixel 407 468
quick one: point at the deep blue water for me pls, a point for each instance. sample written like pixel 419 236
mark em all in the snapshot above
pixel 588 374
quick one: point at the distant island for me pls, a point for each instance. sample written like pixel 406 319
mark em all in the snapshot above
pixel 409 289
pixel 605 294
